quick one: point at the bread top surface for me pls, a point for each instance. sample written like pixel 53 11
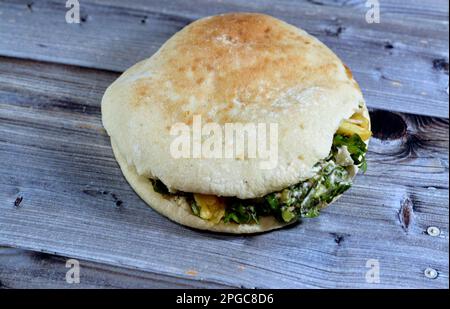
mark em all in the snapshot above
pixel 233 68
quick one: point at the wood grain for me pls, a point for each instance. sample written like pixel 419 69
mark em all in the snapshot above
pixel 401 63
pixel 56 156
pixel 38 270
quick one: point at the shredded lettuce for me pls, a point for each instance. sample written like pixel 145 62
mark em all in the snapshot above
pixel 305 199
pixel 356 147
pixel 302 200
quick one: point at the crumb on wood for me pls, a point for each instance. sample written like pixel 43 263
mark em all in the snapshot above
pixel 191 272
pixel 396 83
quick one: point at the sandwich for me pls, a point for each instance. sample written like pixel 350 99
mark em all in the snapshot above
pixel 241 71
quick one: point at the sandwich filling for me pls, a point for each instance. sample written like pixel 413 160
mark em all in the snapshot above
pixel 332 177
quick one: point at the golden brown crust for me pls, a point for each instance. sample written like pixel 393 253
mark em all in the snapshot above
pixel 233 57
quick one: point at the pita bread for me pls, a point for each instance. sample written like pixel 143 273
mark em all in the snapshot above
pixel 240 67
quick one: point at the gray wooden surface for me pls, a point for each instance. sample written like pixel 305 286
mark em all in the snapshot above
pixel 55 154
pixel 33 270
pixel 400 63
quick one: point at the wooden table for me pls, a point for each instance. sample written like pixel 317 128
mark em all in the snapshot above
pixel 55 154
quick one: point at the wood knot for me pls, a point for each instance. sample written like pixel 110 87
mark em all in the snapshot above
pixel 316 2
pixel 94 192
pixel 18 200
pixel 406 213
pixel 387 125
pixel 339 238
pixel 441 65
pixel 335 32
pixel 97 192
pixel 117 201
pixel 30 6
pixel 84 18
pixel 388 45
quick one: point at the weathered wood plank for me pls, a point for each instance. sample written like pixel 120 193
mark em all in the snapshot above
pixel 411 9
pixel 401 63
pixel 56 156
pixel 38 270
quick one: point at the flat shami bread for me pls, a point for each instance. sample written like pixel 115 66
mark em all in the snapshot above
pixel 239 68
